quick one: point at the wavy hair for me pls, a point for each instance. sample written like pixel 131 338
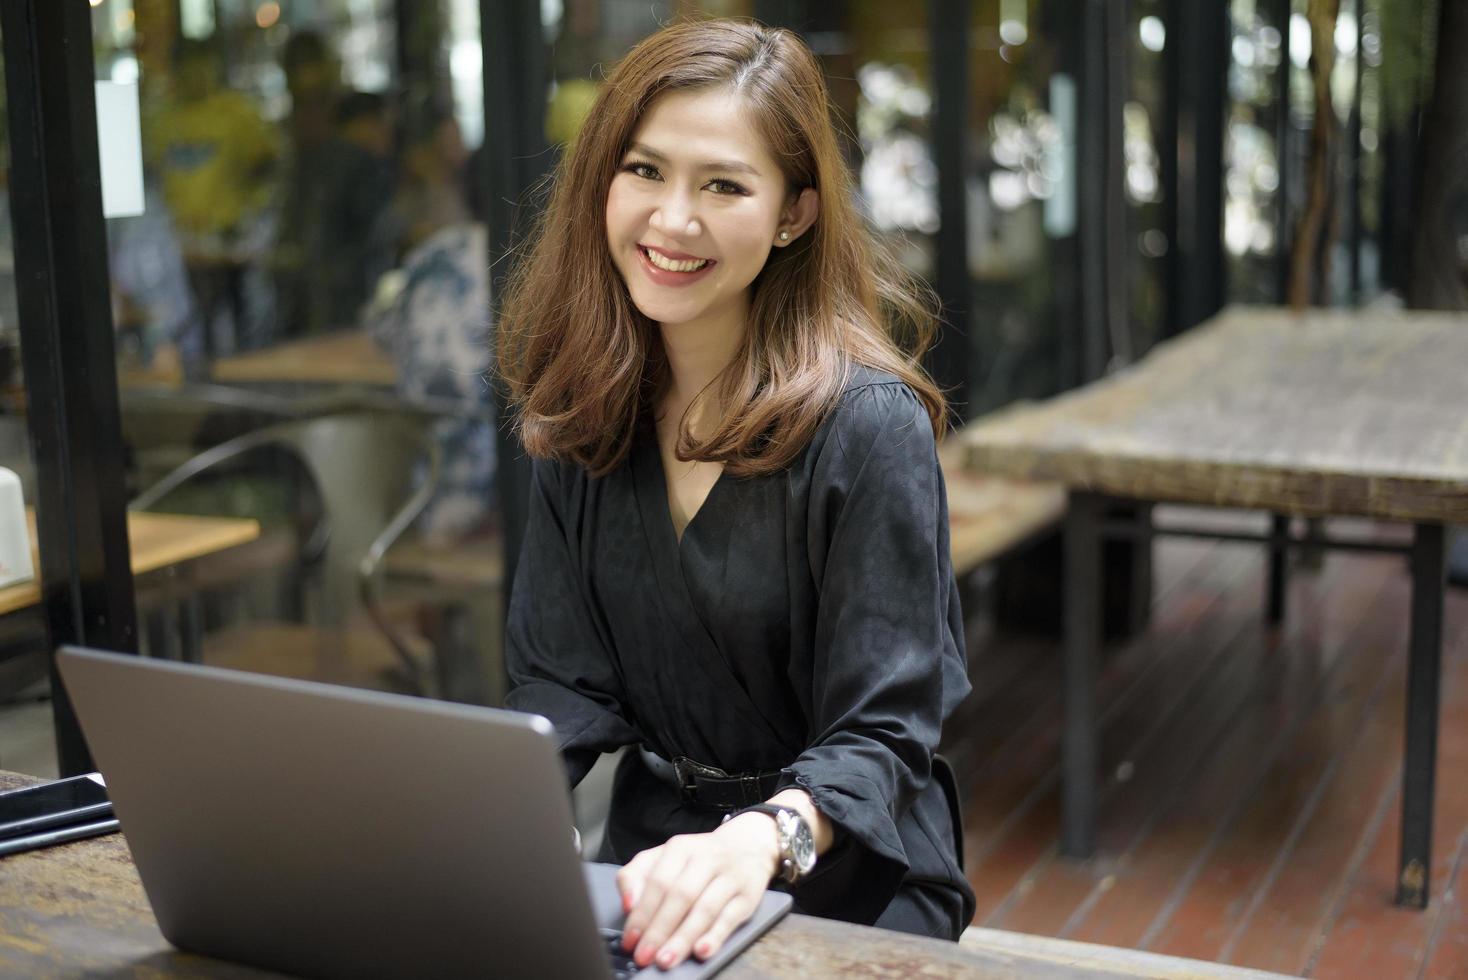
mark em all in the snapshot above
pixel 582 364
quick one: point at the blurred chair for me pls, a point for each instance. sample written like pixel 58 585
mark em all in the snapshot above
pixel 462 581
pixel 361 465
pixel 164 426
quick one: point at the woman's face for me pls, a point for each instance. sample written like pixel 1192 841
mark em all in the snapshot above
pixel 695 207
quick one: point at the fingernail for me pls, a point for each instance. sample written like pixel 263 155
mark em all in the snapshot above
pixel 666 960
pixel 703 949
pixel 630 937
pixel 643 956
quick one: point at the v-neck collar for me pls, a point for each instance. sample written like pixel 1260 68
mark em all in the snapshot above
pixel 676 598
pixel 649 448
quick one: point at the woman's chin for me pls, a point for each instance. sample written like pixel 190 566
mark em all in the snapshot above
pixel 667 314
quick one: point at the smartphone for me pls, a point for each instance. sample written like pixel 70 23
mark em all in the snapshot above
pixel 57 835
pixel 62 803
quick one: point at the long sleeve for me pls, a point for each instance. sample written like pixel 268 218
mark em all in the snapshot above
pixel 558 660
pixel 888 661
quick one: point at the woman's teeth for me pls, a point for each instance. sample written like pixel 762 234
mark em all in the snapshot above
pixel 663 262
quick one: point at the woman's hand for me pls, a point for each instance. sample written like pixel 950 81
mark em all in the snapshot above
pixel 688 895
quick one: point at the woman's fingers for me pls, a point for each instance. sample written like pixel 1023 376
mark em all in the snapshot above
pixel 630 877
pixel 719 893
pixel 688 895
pixel 676 887
pixel 653 871
pixel 731 917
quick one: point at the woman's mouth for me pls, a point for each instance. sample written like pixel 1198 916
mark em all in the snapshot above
pixel 672 265
pixel 667 271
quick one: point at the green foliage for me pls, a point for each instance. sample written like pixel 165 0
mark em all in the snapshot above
pixel 1408 42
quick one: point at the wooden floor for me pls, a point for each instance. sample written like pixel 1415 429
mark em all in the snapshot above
pixel 1250 777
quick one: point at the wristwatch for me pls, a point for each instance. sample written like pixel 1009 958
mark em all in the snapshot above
pixel 797 845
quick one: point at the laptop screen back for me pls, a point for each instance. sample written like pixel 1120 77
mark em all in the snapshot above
pixel 335 832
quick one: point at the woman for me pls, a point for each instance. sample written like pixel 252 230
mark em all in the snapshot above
pixel 737 553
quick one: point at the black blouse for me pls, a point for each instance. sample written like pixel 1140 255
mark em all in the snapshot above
pixel 807 621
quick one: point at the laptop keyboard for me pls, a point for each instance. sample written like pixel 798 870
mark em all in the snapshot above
pixel 622 965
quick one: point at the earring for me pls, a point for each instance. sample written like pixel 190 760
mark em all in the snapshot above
pixel 784 236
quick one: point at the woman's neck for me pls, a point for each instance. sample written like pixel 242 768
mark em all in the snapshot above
pixel 698 351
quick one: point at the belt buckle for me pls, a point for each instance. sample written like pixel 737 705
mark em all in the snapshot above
pixel 682 769
pixel 688 773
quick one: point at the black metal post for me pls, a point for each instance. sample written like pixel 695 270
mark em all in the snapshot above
pixel 1091 178
pixel 62 292
pixel 1283 152
pixel 1197 67
pixel 514 161
pixel 1120 251
pixel 1082 643
pixel 1429 564
pixel 1167 168
pixel 1278 580
pixel 1140 566
pixel 1353 135
pixel 948 40
pixel 1059 23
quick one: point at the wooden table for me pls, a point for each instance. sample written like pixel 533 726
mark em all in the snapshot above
pixel 1332 413
pixel 79 910
pixel 349 357
pixel 156 541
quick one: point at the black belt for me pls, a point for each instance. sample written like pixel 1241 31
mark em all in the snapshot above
pixel 711 786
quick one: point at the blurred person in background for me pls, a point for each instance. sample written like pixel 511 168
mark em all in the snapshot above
pixel 313 79
pixel 432 315
pixel 214 156
pixel 357 231
pixel 152 305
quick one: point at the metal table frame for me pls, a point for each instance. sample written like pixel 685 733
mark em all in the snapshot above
pixel 1086 526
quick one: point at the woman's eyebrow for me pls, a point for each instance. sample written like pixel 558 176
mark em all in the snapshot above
pixel 723 166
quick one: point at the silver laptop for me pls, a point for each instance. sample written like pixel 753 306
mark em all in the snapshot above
pixel 333 832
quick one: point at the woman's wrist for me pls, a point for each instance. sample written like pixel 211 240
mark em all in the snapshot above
pixel 756 834
pixel 822 830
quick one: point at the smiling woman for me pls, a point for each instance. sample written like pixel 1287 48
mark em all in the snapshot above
pixel 826 298
pixel 736 556
pixel 679 216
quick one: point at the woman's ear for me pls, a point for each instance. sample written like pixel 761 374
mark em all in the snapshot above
pixel 798 216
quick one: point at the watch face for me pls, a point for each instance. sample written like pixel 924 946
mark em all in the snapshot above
pixel 803 847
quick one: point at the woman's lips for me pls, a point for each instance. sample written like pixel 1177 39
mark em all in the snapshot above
pixel 668 253
pixel 665 277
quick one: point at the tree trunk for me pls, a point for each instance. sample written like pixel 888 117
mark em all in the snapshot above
pixel 1311 237
pixel 1438 278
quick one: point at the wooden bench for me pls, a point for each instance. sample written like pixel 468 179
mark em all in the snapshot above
pixel 989 516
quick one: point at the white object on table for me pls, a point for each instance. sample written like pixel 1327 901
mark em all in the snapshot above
pixel 15 540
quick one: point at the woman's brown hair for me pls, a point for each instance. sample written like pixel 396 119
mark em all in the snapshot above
pixel 582 363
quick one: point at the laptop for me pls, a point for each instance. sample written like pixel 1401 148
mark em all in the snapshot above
pixel 332 832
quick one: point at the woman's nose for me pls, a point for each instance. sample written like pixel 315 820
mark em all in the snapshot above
pixel 675 215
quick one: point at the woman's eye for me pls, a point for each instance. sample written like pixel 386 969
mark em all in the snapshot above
pixel 725 187
pixel 644 170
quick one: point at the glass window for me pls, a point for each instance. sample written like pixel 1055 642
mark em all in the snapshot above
pixel 1254 161
pixel 1022 120
pixel 302 323
pixel 1143 122
pixel 25 717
